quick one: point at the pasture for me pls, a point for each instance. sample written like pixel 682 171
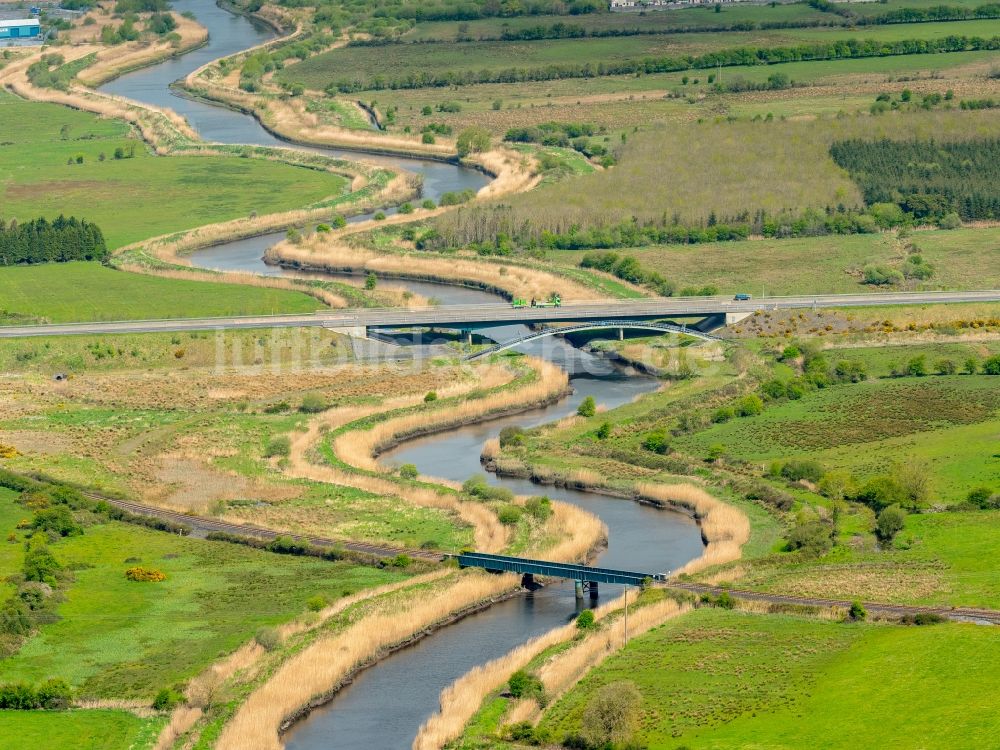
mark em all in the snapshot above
pixel 121 639
pixel 713 680
pixel 865 427
pixel 136 197
pixel 938 558
pixel 92 729
pixel 360 68
pixel 833 264
pixel 690 172
pixel 82 291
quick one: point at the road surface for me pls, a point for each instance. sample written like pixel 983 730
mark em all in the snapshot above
pixel 476 316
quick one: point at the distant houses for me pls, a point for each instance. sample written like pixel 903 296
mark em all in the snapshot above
pixel 625 5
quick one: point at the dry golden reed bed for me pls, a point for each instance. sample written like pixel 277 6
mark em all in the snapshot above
pixel 329 252
pixel 724 527
pixel 464 697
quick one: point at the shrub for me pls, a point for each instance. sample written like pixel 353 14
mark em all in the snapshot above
pixel 52 694
pixel 430 397
pixel 723 414
pixel 511 436
pixel 280 445
pixel 991 366
pixel 473 141
pixel 750 405
pixel 881 492
pixel 612 714
pixel 57 520
pixel 604 431
pixel 945 367
pixel 145 575
pixel 796 469
pixel 878 274
pixel 40 565
pixel 587 408
pixel 857 612
pixel 539 507
pixel 316 603
pixel 401 561
pixel 313 403
pixel 509 515
pixel 981 497
pixel 167 699
pixel 811 538
pixel 409 471
pixel 922 618
pixel 523 684
pixel 268 638
pixel 657 442
pixel 586 620
pixel 890 521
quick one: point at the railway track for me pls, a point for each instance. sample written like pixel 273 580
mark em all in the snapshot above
pixel 961 614
pixel 208 525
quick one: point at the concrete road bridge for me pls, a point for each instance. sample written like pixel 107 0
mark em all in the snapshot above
pixel 715 312
pixel 620 326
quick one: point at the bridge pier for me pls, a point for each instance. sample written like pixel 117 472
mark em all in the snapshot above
pixel 528 582
pixel 580 586
pixel 621 334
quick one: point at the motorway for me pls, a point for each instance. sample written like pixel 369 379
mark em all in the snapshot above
pixel 479 316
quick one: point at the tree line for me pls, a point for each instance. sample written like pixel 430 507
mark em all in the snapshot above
pixel 926 178
pixel 58 241
pixel 738 56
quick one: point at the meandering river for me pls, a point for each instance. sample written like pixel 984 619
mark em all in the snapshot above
pixel 383 708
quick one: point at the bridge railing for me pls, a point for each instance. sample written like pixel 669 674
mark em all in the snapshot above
pixel 504 563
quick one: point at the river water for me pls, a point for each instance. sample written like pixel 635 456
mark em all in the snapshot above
pixel 383 708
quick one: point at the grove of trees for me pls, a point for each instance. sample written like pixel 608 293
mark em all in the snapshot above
pixel 58 241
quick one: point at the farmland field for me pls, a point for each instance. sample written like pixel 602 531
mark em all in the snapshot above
pixel 81 291
pixel 864 427
pixel 117 638
pixel 820 265
pixel 133 199
pixel 715 679
pixel 393 62
pixel 693 171
pixel 76 730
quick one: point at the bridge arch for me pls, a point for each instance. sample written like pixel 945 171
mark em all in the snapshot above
pixel 595 326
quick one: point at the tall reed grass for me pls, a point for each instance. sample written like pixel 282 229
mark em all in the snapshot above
pixel 724 527
pixel 359 448
pixel 333 254
pixel 319 668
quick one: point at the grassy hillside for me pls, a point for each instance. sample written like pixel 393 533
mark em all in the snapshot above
pixel 80 291
pixel 713 680
pixel 865 427
pixel 133 198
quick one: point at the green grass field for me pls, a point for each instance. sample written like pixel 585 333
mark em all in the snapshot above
pixel 692 170
pixel 649 22
pixel 138 198
pixel 867 426
pixel 358 63
pixel 121 639
pixel 81 291
pixel 714 680
pixel 821 265
pixel 939 558
pixel 76 730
